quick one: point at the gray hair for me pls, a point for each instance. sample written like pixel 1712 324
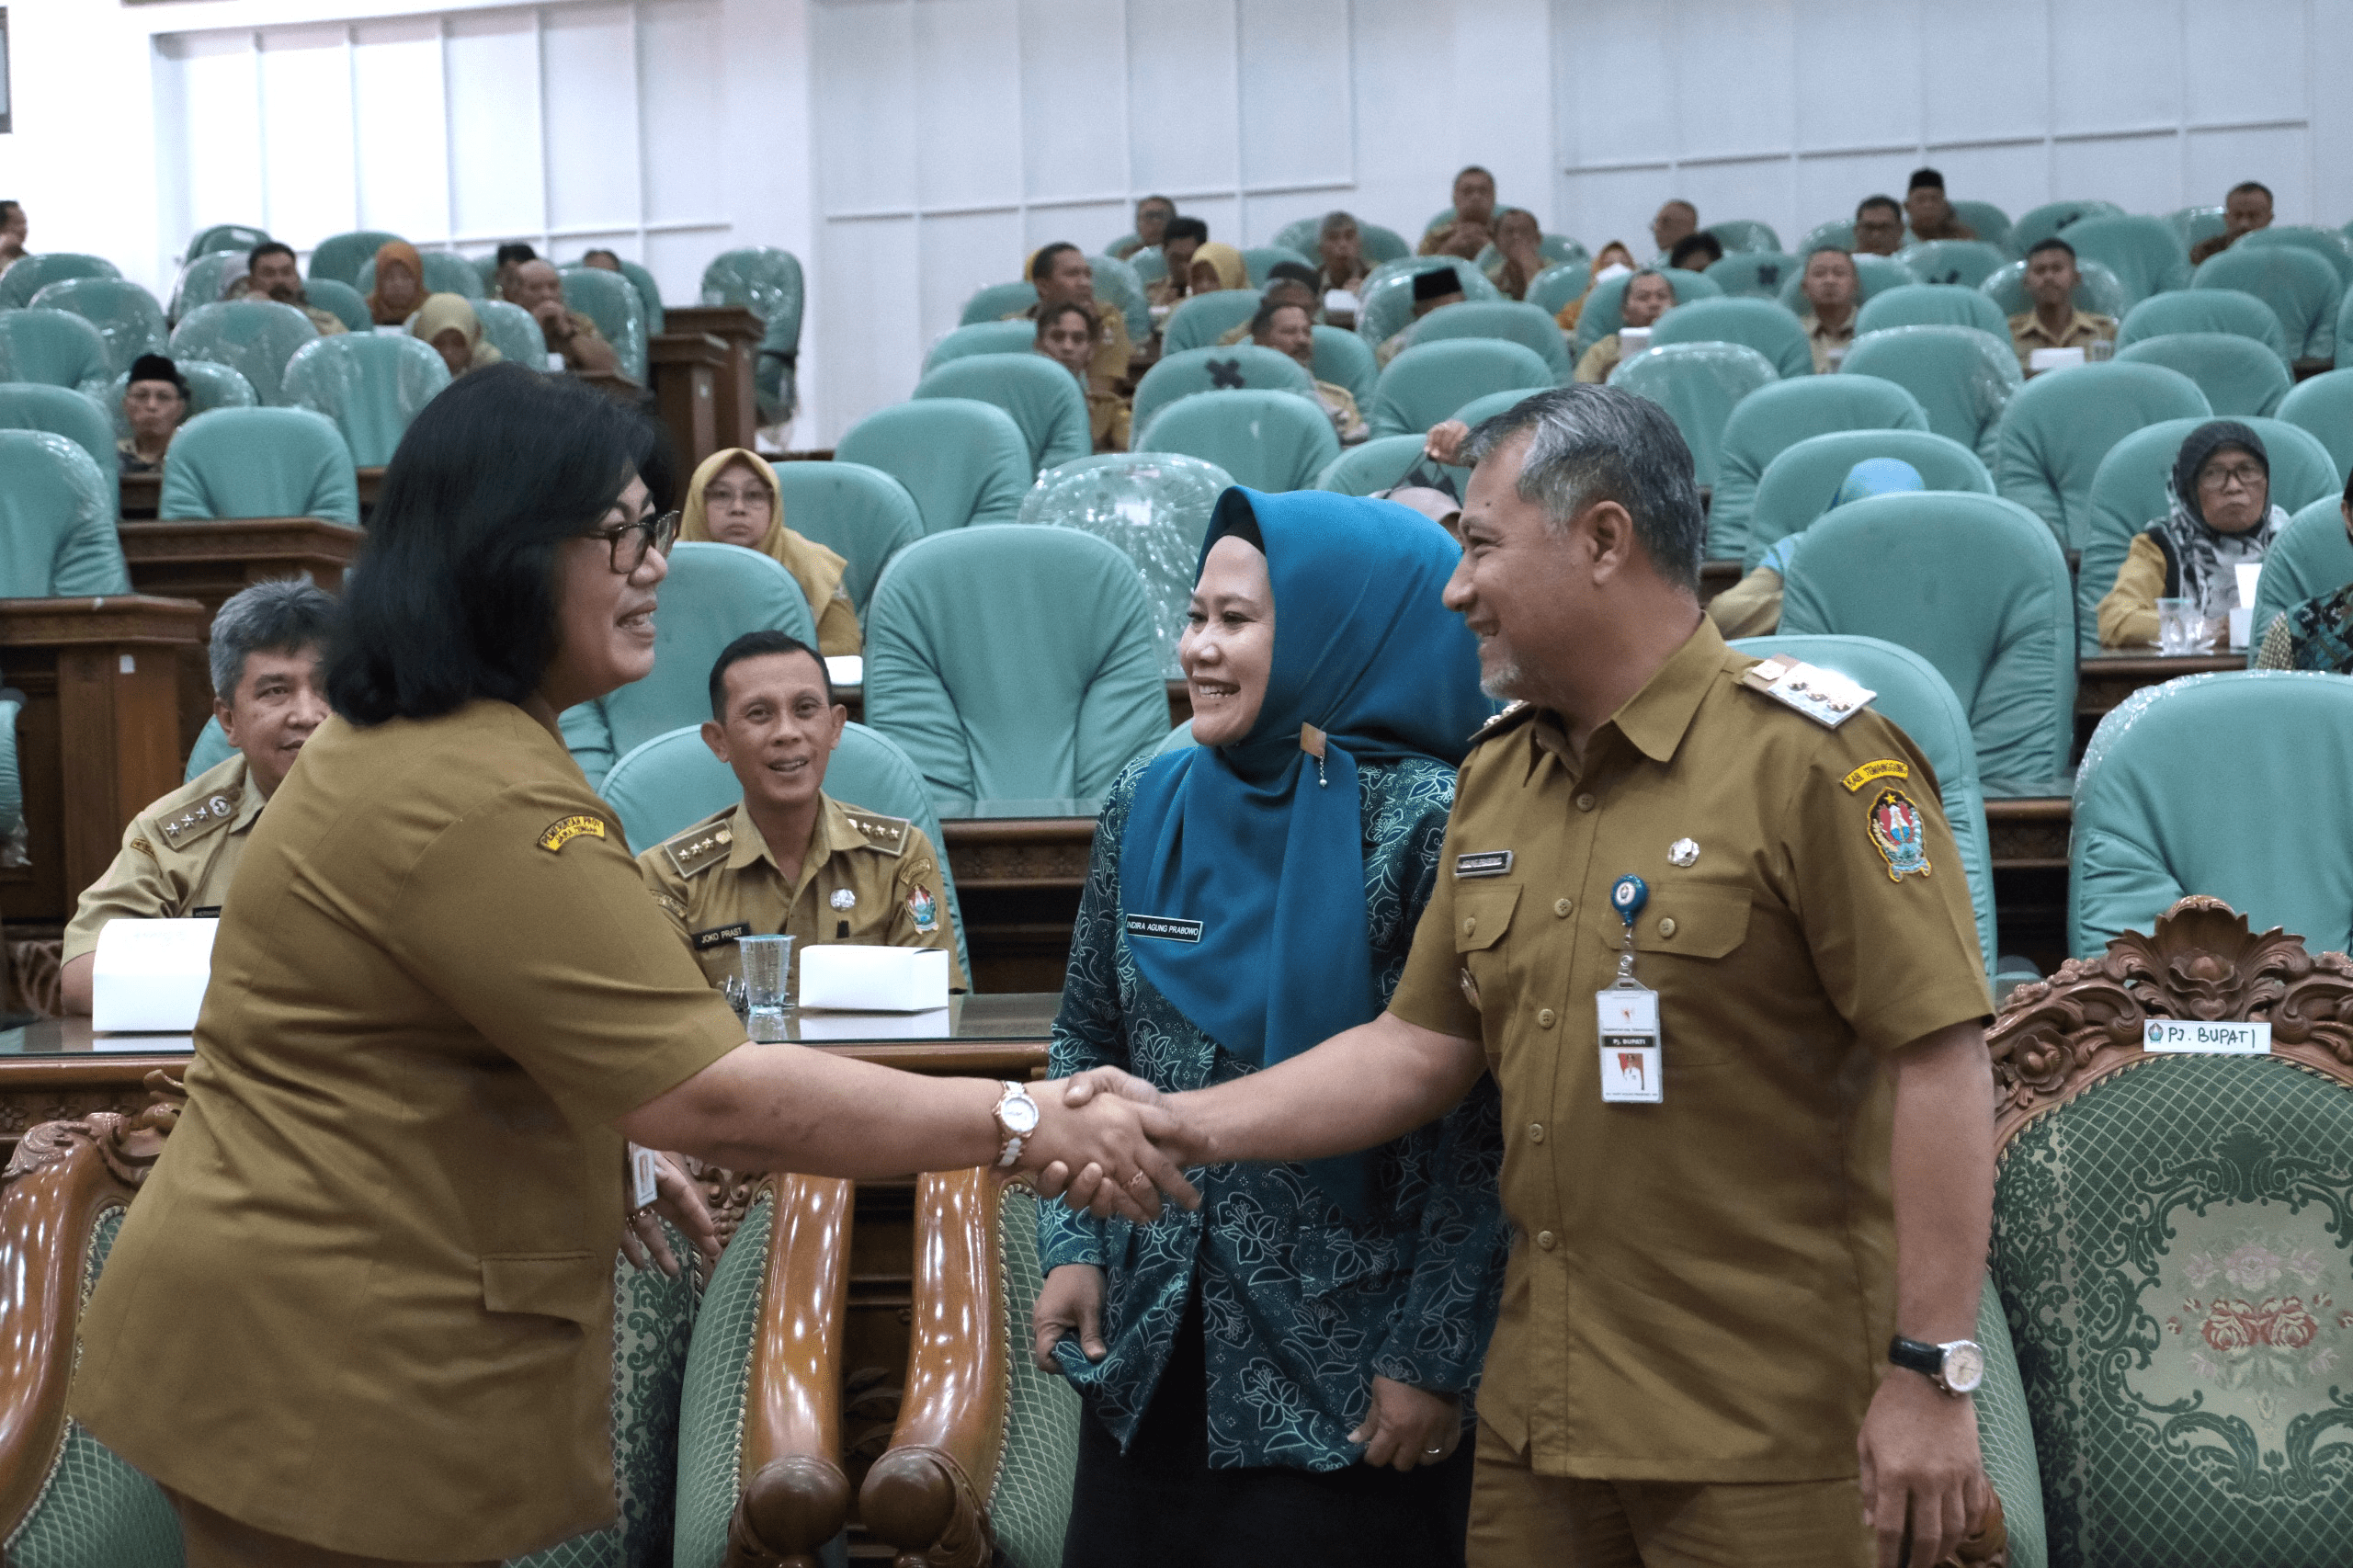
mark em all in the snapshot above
pixel 282 617
pixel 1336 223
pixel 1601 443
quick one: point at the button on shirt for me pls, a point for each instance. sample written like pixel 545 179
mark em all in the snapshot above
pixel 1711 1289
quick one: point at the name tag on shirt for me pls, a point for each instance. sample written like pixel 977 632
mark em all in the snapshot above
pixel 1483 863
pixel 1630 1047
pixel 644 1177
pixel 719 936
pixel 1166 927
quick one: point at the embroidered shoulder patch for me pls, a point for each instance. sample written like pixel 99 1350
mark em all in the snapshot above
pixel 201 817
pixel 564 830
pixel 1885 767
pixel 923 909
pixel 1896 832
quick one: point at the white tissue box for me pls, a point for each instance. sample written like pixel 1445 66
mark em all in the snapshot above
pixel 871 979
pixel 151 975
pixel 2053 358
pixel 845 669
pixel 2242 626
pixel 1340 302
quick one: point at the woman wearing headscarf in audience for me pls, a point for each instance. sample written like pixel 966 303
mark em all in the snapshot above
pixel 1752 607
pixel 1216 266
pixel 2219 516
pixel 448 322
pixel 2318 633
pixel 1613 260
pixel 400 283
pixel 732 499
pixel 1287 1381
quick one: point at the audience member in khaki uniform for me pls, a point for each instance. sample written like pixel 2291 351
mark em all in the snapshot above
pixel 271 273
pixel 1615 259
pixel 1283 325
pixel 1473 227
pixel 1521 240
pixel 1879 226
pixel 1831 289
pixel 2247 208
pixel 155 403
pixel 1287 283
pixel 1152 226
pixel 538 287
pixel 2055 323
pixel 734 499
pixel 1929 214
pixel 1340 263
pixel 1648 297
pixel 1067 335
pixel 1063 275
pixel 1433 291
pixel 1182 237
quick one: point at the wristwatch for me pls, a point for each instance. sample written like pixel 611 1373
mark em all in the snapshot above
pixel 1017 1117
pixel 1958 1365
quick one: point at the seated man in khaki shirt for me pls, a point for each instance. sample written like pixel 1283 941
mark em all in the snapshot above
pixel 1929 214
pixel 1473 227
pixel 1178 241
pixel 178 854
pixel 2054 323
pixel 1831 289
pixel 1063 275
pixel 2247 208
pixel 271 274
pixel 1284 327
pixel 789 858
pixel 539 288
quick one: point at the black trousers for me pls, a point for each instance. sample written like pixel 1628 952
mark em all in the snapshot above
pixel 1161 1505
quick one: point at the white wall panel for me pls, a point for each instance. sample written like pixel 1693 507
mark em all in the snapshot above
pixel 498 180
pixel 2280 157
pixel 1619 92
pixel 1090 225
pixel 1182 106
pixel 401 157
pixel 2117 64
pixel 214 145
pixel 968 104
pixel 1987 70
pixel 1857 67
pixel 590 70
pixel 681 67
pixel 1735 73
pixel 306 129
pixel 1073 89
pixel 869 334
pixel 1296 124
pixel 1500 112
pixel 865 85
pixel 2140 173
pixel 2244 60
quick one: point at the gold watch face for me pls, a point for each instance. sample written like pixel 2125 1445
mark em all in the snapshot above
pixel 1964 1366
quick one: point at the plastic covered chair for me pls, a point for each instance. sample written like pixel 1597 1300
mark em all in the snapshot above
pixel 1428 382
pixel 1385 302
pixel 126 316
pixel 1773 418
pixel 2302 290
pixel 1200 320
pixel 2323 406
pixel 2129 493
pixel 2203 310
pixel 2344 333
pixel 963 461
pixel 1602 313
pixel 1772 330
pixel 983 337
pixel 260 463
pixel 1150 266
pixel 1910 693
pixel 763 279
pixel 1931 304
pixel 1014 664
pixel 56 349
pixel 211 749
pixel 370 386
pixel 227 236
pixel 209 386
pixel 1744 234
pixel 2238 375
pixel 205 280
pixel 1244 367
pixel 2147 256
pixel 347 305
pixel 1042 397
pixel 514 332
pixel 57 521
pixel 1963 377
pixel 2040 223
pixel 1840 233
pixel 1752 275
pixel 860 514
pixel 1266 440
pixel 253 337
pixel 2310 557
pixel 2061 423
pixel 714 594
pixel 649 294
pixel 1554 286
pixel 1342 358
pixel 32 274
pixel 1506 320
pixel 61 411
pixel 999 301
pixel 1966 262
pixel 2194 224
pixel 2332 247
pixel 1155 507
pixel 1992 224
pixel 1117 285
pixel 1798 484
pixel 1974 585
pixel 340 256
pixel 1556 249
pixel 1260 261
pixel 1699 384
pixel 444 274
pixel 2098 289
pixel 1371 467
pixel 607 299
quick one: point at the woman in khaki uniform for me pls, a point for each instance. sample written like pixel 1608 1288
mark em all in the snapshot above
pixel 362 1310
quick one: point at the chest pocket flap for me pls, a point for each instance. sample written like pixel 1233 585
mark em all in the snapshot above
pixel 1482 915
pixel 1700 920
pixel 572 1285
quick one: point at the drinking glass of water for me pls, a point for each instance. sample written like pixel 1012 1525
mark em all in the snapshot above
pixel 2181 626
pixel 767 961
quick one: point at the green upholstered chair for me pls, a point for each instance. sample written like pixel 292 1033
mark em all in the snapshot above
pixel 209 386
pixel 1753 323
pixel 1150 266
pixel 1977 585
pixel 1242 367
pixel 2309 558
pixel 1601 315
pixel 1385 302
pixel 2238 375
pixel 2129 493
pixel 763 279
pixel 1963 378
pixel 2147 832
pixel 1117 287
pixel 1744 234
pixel 1839 232
pixel 1874 275
pixel 370 386
pixel 1015 663
pixel 2302 289
pixel 1155 507
pixel 1342 358
pixel 260 462
pixel 126 316
pixel 2203 310
pixel 2039 224
pixel 1911 694
pixel 33 273
pixel 12 782
pixel 2194 224
pixel 514 332
pixel 228 236
pixel 1044 398
pixel 2331 246
pixel 982 337
pixel 1751 275
pixel 1266 440
pixel 1556 286
pixel 860 514
pixel 1199 321
pixel 1992 224
pixel 1801 482
pixel 347 304
pixel 649 294
pixel 211 749
pixel 2144 253
pixel 2061 423
pixel 1554 248
pixel 205 280
pixel 2098 289
pixel 999 301
pixel 57 521
pixel 1301 234
pixel 1699 384
pixel 1371 467
pixel 1773 418
pixel 1507 321
pixel 981 1462
pixel 1931 304
pixel 714 594
pixel 340 256
pixel 1427 382
pixel 1260 261
pixel 445 273
pixel 1966 262
pixel 55 348
pixel 2344 333
pixel 962 460
pixel 2323 406
pixel 607 299
pixel 1382 246
pixel 30 405
pixel 253 337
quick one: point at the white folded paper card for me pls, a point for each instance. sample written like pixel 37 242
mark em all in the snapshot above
pixel 151 974
pixel 845 669
pixel 807 1026
pixel 2053 358
pixel 2242 626
pixel 2250 577
pixel 1340 302
pixel 873 979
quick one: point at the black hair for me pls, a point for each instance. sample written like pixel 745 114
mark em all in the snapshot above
pixel 1692 245
pixel 515 251
pixel 1053 313
pixel 1169 203
pixel 1474 169
pixel 1834 250
pixel 454 598
pixel 1193 229
pixel 1264 317
pixel 1867 202
pixel 2054 242
pixel 1929 178
pixel 1436 283
pixel 268 247
pixel 1041 266
pixel 600 250
pixel 11 210
pixel 759 645
pixel 1290 272
pixel 155 368
pixel 2247 185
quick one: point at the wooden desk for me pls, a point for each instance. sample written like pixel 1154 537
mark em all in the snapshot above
pixel 687 368
pixel 2029 835
pixel 2103 680
pixel 740 331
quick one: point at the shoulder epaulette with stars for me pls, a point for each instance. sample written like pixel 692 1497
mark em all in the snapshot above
pixel 1823 695
pixel 888 834
pixel 1514 714
pixel 701 847
pixel 191 822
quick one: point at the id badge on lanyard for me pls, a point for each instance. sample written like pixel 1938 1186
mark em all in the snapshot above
pixel 1626 1015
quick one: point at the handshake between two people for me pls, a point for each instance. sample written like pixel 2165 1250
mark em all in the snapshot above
pixel 1112 1144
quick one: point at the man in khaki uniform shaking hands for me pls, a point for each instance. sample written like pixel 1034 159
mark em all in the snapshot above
pixel 1704 921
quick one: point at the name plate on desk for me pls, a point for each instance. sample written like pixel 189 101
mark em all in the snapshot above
pixel 2191 1036
pixel 151 975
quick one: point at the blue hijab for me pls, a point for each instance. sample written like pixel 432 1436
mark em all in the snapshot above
pixel 1254 841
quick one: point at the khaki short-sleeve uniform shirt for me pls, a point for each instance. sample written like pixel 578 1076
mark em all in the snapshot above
pixel 366 1298
pixel 1699 1289
pixel 176 858
pixel 2028 334
pixel 866 878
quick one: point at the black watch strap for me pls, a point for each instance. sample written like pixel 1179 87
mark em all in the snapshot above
pixel 1917 1356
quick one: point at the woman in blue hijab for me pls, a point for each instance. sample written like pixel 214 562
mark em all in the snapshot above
pixel 1257 1374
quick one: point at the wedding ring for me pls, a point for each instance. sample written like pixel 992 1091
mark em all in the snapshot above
pixel 1435 1452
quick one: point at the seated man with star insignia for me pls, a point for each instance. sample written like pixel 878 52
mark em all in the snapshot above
pixel 178 854
pixel 789 858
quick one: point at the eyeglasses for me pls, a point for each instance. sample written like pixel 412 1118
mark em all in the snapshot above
pixel 2247 476
pixel 754 496
pixel 630 541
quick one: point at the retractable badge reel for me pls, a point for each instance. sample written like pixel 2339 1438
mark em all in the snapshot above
pixel 1628 1014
